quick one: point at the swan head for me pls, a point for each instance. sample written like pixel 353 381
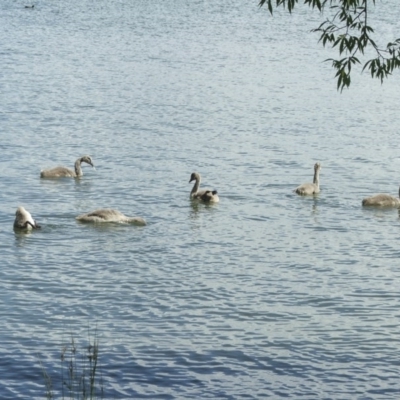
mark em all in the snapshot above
pixel 317 166
pixel 88 160
pixel 195 177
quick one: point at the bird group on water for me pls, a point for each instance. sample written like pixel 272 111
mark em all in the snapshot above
pixel 379 200
pixel 24 220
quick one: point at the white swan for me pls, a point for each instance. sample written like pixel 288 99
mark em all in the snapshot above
pixel 205 195
pixel 64 172
pixel 310 188
pixel 109 215
pixel 24 220
pixel 382 200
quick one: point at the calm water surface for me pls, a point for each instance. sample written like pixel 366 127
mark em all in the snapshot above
pixel 264 295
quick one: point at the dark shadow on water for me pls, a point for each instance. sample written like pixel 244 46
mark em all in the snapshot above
pixel 22 237
pixel 314 208
pixel 197 208
pixel 380 212
pixel 63 180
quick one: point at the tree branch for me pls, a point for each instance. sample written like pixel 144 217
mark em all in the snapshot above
pixel 348 30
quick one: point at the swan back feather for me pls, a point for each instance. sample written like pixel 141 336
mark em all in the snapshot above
pixel 382 200
pixel 109 215
pixel 210 196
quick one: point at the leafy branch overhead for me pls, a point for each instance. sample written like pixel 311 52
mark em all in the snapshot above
pixel 347 28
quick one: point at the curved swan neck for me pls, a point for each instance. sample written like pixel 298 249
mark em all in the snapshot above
pixel 195 177
pixel 78 169
pixel 196 186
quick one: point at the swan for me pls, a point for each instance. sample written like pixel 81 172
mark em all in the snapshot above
pixel 62 172
pixel 382 200
pixel 310 188
pixel 205 194
pixel 109 215
pixel 24 220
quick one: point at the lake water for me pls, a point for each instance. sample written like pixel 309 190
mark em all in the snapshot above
pixel 264 295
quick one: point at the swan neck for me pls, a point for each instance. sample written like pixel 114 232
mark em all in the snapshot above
pixel 195 186
pixel 316 177
pixel 78 169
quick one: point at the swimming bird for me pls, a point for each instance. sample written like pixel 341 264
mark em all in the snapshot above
pixel 382 200
pixel 64 172
pixel 24 220
pixel 310 188
pixel 205 194
pixel 109 215
pixel 32 6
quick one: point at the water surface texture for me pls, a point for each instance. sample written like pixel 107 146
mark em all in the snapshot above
pixel 264 295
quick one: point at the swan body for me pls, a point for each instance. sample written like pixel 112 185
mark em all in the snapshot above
pixel 109 215
pixel 24 221
pixel 64 172
pixel 310 188
pixel 382 200
pixel 205 195
pixel 210 196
